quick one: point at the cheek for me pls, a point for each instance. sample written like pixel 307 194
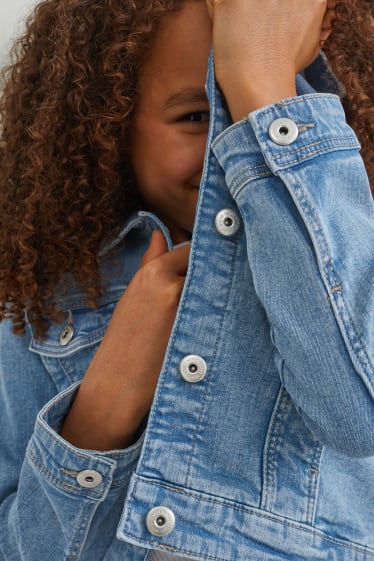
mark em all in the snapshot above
pixel 180 165
pixel 186 156
pixel 165 153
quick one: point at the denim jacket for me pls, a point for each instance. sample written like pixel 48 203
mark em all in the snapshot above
pixel 259 444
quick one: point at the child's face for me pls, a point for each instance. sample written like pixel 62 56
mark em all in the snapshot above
pixel 171 125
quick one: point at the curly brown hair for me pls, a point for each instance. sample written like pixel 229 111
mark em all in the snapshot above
pixel 350 52
pixel 66 109
pixel 65 185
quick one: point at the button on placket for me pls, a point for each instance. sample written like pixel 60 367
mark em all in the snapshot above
pixel 67 332
pixel 192 368
pixel 89 478
pixel 283 131
pixel 160 521
pixel 227 222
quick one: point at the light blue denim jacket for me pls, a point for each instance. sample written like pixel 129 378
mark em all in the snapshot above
pixel 260 442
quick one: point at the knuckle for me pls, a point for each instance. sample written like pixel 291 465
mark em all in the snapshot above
pixel 171 295
pixel 165 286
pixel 151 271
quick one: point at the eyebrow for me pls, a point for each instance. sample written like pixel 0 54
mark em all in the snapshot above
pixel 186 96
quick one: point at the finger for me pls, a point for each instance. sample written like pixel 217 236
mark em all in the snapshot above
pixel 157 247
pixel 328 21
pixel 176 260
pixel 331 5
pixel 324 35
pixel 211 5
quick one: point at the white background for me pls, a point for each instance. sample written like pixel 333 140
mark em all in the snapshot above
pixel 12 16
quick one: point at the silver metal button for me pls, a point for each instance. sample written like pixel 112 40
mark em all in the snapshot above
pixel 160 521
pixel 67 332
pixel 66 335
pixel 192 368
pixel 227 222
pixel 89 478
pixel 283 131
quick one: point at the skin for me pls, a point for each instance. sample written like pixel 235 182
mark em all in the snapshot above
pixel 168 146
pixel 251 38
pixel 270 40
pixel 173 109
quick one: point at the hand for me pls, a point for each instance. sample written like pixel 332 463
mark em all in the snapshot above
pixel 260 46
pixel 118 388
pixel 328 22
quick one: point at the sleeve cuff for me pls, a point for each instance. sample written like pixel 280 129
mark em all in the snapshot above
pixel 73 470
pixel 318 121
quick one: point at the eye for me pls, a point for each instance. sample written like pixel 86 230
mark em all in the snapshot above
pixel 196 117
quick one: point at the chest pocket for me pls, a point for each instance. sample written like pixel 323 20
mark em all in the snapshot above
pixel 68 349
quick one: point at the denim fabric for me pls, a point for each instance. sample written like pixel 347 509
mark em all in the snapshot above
pixel 270 457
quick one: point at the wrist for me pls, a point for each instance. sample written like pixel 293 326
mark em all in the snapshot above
pixel 245 97
pixel 92 422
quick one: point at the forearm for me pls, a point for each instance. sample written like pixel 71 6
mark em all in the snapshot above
pixel 308 217
pixel 118 387
pixel 92 424
pixel 247 97
pixel 67 492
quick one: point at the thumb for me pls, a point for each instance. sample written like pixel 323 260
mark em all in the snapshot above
pixel 156 248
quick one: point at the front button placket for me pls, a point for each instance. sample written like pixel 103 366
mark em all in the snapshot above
pixel 67 332
pixel 160 521
pixel 283 131
pixel 176 423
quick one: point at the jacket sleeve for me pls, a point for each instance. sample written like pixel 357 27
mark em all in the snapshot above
pixel 48 488
pixel 304 197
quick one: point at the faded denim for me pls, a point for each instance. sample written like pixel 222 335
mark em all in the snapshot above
pixel 271 456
